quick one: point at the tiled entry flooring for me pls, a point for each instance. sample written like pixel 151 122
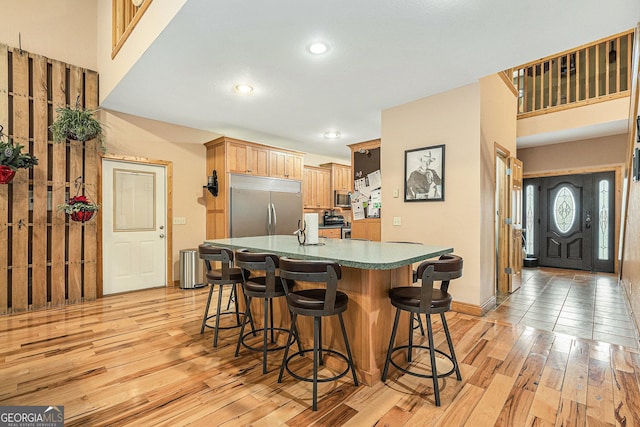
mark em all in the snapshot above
pixel 570 302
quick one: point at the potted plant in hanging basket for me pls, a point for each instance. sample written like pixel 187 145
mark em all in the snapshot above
pixel 12 158
pixel 77 124
pixel 79 208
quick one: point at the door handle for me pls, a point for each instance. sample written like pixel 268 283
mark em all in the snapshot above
pixel 269 221
pixel 162 236
pixel 587 220
pixel 275 218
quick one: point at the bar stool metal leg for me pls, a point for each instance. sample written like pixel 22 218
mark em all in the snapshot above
pixel 391 341
pixel 316 352
pixel 453 353
pixel 206 309
pixel 286 349
pixel 217 327
pixel 432 354
pixel 348 348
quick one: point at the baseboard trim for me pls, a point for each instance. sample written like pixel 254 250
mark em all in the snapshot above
pixel 474 310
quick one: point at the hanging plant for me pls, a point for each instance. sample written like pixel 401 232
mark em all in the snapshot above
pixel 79 208
pixel 77 124
pixel 12 158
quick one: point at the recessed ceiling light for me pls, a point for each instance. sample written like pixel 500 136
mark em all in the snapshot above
pixel 243 89
pixel 318 48
pixel 332 134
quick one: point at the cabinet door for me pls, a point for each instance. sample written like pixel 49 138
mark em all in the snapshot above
pixel 322 189
pixel 258 161
pixel 307 188
pixel 237 158
pixel 294 166
pixel 277 164
pixel 285 165
pixel 343 179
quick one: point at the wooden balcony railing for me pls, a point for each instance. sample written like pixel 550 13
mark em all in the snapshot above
pixel 125 16
pixel 591 73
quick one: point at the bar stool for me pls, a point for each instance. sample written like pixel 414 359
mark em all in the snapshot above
pixel 226 275
pixel 414 279
pixel 425 299
pixel 266 287
pixel 318 303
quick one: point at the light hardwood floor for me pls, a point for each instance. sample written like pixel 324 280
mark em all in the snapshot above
pixel 138 359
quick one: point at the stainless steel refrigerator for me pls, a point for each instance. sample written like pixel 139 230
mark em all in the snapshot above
pixel 264 206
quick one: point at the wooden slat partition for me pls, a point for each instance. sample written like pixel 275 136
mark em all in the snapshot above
pixel 19 209
pixel 591 73
pixel 45 259
pixel 40 183
pixel 4 189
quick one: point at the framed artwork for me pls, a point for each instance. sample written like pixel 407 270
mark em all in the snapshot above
pixel 424 174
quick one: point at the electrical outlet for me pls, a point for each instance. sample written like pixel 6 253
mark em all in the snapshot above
pixel 397 220
pixel 179 220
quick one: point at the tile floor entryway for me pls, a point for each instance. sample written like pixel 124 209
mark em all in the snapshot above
pixel 571 302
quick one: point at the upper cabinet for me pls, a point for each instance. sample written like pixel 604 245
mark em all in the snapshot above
pixel 285 165
pixel 316 188
pixel 341 176
pixel 247 159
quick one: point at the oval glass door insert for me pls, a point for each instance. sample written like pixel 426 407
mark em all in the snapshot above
pixel 564 209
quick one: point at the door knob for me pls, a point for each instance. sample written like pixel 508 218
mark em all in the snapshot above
pixel 162 227
pixel 162 236
pixel 587 220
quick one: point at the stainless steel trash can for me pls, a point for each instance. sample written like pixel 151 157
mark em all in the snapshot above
pixel 190 274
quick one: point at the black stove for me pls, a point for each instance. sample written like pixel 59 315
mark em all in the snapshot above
pixel 329 219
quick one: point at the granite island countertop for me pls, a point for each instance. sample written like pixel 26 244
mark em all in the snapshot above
pixel 350 253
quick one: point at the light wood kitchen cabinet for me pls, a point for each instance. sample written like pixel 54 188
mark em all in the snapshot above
pixel 316 188
pixel 285 165
pixel 365 159
pixel 341 176
pixel 333 233
pixel 248 159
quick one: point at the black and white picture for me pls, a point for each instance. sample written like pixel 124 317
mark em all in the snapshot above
pixel 424 174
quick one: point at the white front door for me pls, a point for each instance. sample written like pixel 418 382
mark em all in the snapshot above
pixel 134 226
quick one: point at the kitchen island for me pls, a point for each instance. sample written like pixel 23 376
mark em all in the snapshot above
pixel 369 270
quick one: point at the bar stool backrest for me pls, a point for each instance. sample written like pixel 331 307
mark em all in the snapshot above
pixel 446 268
pixel 210 253
pixel 259 261
pixel 313 271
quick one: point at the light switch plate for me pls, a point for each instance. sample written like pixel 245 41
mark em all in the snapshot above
pixel 179 220
pixel 396 192
pixel 397 220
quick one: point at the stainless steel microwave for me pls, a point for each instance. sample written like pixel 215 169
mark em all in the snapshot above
pixel 341 199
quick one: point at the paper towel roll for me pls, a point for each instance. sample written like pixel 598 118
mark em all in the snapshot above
pixel 311 224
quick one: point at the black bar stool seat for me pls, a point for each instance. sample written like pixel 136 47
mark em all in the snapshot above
pixel 317 303
pixel 312 301
pixel 426 300
pixel 218 278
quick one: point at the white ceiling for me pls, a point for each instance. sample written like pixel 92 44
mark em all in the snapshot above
pixel 382 53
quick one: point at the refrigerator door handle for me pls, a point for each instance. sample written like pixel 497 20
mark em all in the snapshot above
pixel 269 219
pixel 275 219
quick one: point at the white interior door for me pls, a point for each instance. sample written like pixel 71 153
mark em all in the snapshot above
pixel 134 226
